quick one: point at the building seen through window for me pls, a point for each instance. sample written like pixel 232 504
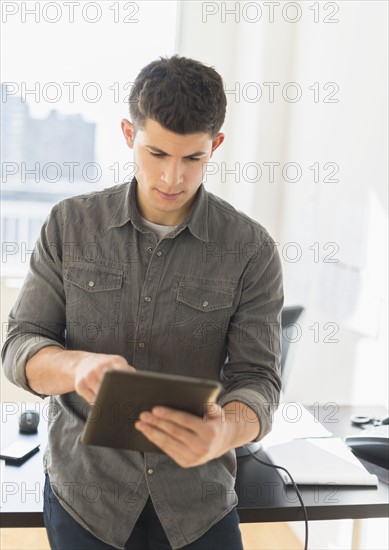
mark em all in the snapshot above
pixel 43 161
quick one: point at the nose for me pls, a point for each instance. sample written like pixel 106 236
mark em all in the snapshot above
pixel 172 175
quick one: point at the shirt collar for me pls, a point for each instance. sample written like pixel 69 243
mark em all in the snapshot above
pixel 197 220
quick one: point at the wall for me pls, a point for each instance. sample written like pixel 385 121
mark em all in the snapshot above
pixel 331 223
pixel 332 231
pixel 351 213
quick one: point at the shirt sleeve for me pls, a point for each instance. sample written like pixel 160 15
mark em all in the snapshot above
pixel 251 373
pixel 37 319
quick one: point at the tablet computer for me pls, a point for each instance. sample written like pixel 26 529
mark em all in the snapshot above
pixel 122 396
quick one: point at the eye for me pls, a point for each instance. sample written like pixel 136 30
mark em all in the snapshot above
pixel 159 155
pixel 193 158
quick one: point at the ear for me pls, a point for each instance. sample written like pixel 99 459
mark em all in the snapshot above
pixel 217 140
pixel 128 132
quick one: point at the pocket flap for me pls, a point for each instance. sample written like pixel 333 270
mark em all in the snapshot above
pixel 94 279
pixel 205 297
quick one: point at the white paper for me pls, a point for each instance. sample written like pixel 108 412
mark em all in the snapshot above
pixel 320 461
pixel 293 421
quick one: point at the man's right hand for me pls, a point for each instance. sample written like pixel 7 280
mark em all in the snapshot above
pixel 90 371
pixel 54 371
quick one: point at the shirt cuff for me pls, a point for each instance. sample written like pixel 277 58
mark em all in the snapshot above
pixel 262 408
pixel 24 353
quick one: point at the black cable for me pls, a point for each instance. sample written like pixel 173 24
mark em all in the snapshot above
pixel 296 489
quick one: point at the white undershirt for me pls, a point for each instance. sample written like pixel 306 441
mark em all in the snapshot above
pixel 160 230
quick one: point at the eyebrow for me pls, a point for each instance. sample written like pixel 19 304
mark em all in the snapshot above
pixel 157 150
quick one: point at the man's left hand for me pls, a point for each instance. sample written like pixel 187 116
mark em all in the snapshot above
pixel 191 440
pixel 188 439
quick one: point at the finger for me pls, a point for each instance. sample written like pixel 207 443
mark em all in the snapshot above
pixel 184 419
pixel 121 366
pixel 120 363
pixel 90 384
pixel 93 381
pixel 212 409
pixel 88 395
pixel 182 454
pixel 201 427
pixel 191 445
pixel 164 440
pixel 182 434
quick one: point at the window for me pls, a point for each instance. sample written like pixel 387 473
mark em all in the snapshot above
pixel 62 101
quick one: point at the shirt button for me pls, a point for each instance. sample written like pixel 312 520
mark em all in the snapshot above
pixel 149 249
pixel 147 299
pixel 141 345
pixel 91 283
pixel 205 304
pixel 150 471
pixel 159 253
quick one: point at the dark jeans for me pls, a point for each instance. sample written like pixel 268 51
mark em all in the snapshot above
pixel 65 533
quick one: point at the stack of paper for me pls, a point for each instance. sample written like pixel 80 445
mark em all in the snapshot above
pixel 303 446
pixel 320 461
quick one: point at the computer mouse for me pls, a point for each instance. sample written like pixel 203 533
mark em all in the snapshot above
pixel 385 421
pixel 28 422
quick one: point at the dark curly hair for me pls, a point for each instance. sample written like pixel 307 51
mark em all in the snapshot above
pixel 181 94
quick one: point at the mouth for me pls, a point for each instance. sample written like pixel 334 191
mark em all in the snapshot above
pixel 167 196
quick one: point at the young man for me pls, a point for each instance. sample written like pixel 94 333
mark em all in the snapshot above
pixel 155 275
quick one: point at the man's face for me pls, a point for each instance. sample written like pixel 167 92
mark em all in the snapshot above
pixel 170 169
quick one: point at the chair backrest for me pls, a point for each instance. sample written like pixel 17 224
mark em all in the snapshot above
pixel 289 317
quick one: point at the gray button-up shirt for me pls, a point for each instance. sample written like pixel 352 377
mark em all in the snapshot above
pixel 204 301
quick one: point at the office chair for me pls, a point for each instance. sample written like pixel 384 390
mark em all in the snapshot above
pixel 289 316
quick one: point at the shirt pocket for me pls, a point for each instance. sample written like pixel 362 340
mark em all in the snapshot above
pixel 201 315
pixel 93 295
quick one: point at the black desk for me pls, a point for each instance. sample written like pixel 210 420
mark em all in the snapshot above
pixel 263 497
